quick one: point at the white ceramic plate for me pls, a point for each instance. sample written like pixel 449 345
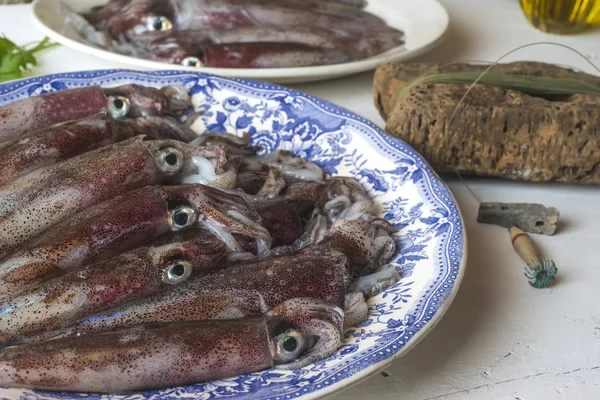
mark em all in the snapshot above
pixel 424 23
pixel 428 227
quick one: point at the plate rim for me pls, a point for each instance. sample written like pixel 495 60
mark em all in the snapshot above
pixel 333 109
pixel 278 75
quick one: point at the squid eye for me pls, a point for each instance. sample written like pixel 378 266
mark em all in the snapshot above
pixel 170 160
pixel 162 24
pixel 182 217
pixel 118 106
pixel 191 62
pixel 177 272
pixel 289 346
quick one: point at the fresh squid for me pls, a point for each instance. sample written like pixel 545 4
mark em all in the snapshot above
pixel 236 146
pixel 42 198
pixel 343 219
pixel 283 219
pixel 252 287
pixel 119 102
pixel 290 166
pixel 266 45
pixel 59 142
pixel 163 355
pixel 127 221
pixel 140 16
pixel 366 242
pixel 244 55
pixel 337 198
pixel 241 289
pixel 138 254
pixel 237 34
pixel 128 276
pixel 265 177
pixel 100 15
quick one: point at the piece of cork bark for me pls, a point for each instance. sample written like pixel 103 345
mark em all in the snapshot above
pixel 496 132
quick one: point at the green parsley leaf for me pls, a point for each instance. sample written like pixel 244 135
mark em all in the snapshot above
pixel 14 59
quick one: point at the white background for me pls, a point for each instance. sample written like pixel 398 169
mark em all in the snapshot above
pixel 501 339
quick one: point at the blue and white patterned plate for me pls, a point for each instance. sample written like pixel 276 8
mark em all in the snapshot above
pixel 428 227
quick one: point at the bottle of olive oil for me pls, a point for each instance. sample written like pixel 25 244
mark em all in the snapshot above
pixel 562 16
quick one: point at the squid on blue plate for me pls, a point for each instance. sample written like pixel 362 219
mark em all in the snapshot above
pixel 44 197
pixel 48 146
pixel 168 260
pixel 339 270
pixel 119 102
pixel 129 276
pixel 154 356
pixel 343 219
pixel 130 219
pixel 238 289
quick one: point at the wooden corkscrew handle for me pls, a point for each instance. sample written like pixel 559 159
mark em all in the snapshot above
pixel 523 246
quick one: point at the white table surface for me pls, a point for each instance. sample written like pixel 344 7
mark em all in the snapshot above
pixel 501 339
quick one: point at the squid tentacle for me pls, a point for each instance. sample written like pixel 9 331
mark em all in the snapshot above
pixel 356 309
pixel 377 282
pixel 274 184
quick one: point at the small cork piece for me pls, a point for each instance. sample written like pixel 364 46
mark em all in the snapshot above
pixel 532 218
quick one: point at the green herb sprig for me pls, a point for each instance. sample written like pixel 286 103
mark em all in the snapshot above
pixel 14 59
pixel 527 84
pixel 523 83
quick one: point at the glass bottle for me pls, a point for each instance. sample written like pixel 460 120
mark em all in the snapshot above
pixel 562 16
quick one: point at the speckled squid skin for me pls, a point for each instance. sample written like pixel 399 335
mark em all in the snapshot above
pixel 311 191
pixel 174 46
pixel 59 142
pixel 42 198
pixel 111 227
pixel 247 55
pixel 96 234
pixel 140 358
pixel 366 243
pixel 232 14
pixel 126 277
pixel 245 289
pixel 51 108
pixel 282 219
pixel 354 240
